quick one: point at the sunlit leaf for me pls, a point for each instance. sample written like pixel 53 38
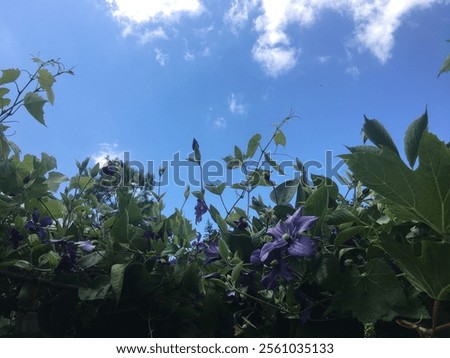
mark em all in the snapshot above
pixel 9 75
pixel 34 104
pixel 46 81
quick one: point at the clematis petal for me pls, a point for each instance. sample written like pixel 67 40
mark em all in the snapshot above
pixel 301 247
pixel 46 221
pixel 255 257
pixel 272 249
pixel 299 223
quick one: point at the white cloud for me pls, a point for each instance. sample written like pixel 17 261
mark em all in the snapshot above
pixel 161 57
pixel 189 56
pixel 375 24
pixel 239 12
pixel 147 19
pixel 220 123
pixel 106 150
pixel 146 11
pixel 235 104
pixel 353 71
pixel 150 35
pixel 323 59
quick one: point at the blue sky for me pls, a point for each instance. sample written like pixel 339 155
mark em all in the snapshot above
pixel 151 75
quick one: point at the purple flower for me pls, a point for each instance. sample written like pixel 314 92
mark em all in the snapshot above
pixel 212 253
pixel 200 209
pixel 36 226
pixel 287 240
pixel 15 237
pixel 86 245
pixel 279 270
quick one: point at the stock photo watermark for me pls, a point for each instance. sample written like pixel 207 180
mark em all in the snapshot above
pixel 183 172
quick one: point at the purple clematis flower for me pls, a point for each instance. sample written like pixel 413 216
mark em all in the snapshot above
pixel 36 226
pixel 200 209
pixel 86 245
pixel 279 270
pixel 287 239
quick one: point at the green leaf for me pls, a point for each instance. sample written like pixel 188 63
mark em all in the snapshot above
pixel 224 251
pixel 279 138
pixel 252 145
pixel 445 66
pixel 422 195
pixel 117 276
pixel 413 136
pixel 46 81
pixel 236 272
pixel 238 153
pixel 378 135
pixel 54 180
pixel 285 192
pixel 371 295
pixel 119 231
pixel 430 272
pixel 34 104
pixel 97 290
pixel 215 215
pixel 91 259
pixel 347 234
pixel 9 75
pixel 4 101
pixel 273 163
pixel 196 148
pixel 215 189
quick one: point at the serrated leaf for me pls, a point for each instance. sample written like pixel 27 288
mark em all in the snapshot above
pixel 9 75
pixel 54 180
pixel 279 138
pixel 46 81
pixel 429 272
pixel 252 145
pixel 372 294
pixel 422 194
pixel 34 104
pixel 378 135
pixel 413 136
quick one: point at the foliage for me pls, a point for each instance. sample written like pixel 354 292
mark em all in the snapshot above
pixel 100 258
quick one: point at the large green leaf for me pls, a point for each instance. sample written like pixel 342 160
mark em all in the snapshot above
pixel 117 276
pixel 422 195
pixel 54 180
pixel 34 104
pixel 429 272
pixel 372 294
